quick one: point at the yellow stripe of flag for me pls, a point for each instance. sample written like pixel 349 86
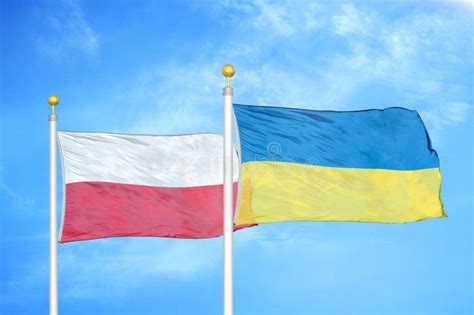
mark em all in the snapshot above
pixel 280 191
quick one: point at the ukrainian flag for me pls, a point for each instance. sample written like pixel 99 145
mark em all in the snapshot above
pixel 364 166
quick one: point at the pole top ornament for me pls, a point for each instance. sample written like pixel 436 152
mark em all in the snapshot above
pixel 228 71
pixel 53 100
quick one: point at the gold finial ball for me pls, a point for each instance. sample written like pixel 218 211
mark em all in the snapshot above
pixel 228 71
pixel 53 100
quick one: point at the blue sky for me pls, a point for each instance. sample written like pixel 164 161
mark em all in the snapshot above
pixel 154 67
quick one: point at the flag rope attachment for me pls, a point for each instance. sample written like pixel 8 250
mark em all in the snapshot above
pixel 53 100
pixel 228 216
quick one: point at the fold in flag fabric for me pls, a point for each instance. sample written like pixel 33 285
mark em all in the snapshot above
pixel 141 185
pixel 306 165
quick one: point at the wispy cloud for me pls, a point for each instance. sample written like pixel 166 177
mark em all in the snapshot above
pixel 411 56
pixel 273 17
pixel 85 268
pixel 443 116
pixel 179 99
pixel 350 21
pixel 69 32
pixel 414 56
pixel 412 64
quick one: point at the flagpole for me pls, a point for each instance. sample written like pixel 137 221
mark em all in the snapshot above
pixel 228 71
pixel 53 100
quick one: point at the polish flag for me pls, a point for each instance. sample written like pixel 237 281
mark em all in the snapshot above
pixel 142 185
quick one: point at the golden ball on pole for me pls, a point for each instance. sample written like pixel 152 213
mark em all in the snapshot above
pixel 53 100
pixel 228 71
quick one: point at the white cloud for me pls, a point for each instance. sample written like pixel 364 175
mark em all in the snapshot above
pixel 69 32
pixel 113 268
pixel 351 21
pixel 444 115
pixel 412 56
pixel 456 111
pixel 177 98
pixel 275 18
pixel 134 262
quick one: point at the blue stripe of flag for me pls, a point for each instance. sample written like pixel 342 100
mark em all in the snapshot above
pixel 392 138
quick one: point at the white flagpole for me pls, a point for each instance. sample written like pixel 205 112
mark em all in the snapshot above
pixel 228 93
pixel 53 100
